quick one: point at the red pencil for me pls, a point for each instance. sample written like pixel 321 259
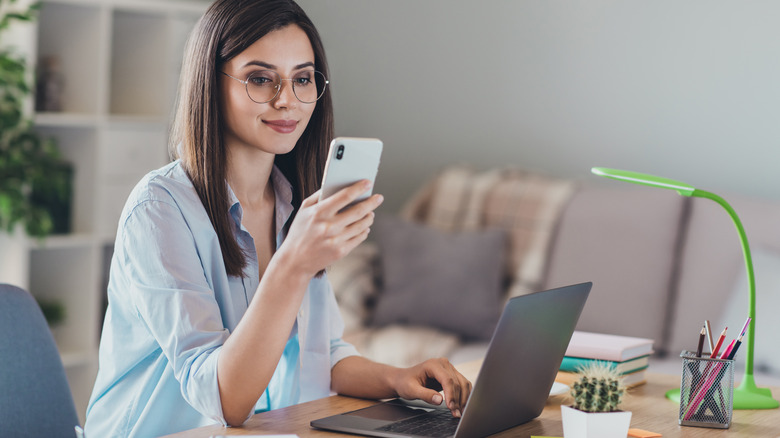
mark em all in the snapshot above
pixel 720 342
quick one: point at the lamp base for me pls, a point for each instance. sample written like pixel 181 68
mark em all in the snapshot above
pixel 746 396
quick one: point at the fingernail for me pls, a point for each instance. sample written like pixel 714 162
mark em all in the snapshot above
pixel 380 199
pixel 457 413
pixel 437 399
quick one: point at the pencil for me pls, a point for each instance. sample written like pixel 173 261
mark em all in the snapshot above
pixel 736 346
pixel 709 334
pixel 744 328
pixel 718 344
pixel 701 341
pixel 727 351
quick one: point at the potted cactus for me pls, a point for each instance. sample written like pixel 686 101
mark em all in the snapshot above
pixel 595 412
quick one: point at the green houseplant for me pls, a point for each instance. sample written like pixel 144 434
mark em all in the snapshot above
pixel 597 394
pixel 32 174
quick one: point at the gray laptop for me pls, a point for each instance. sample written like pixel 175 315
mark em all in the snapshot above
pixel 513 384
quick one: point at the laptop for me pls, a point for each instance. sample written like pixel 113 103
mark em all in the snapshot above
pixel 517 373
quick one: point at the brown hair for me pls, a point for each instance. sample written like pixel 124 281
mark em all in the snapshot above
pixel 226 29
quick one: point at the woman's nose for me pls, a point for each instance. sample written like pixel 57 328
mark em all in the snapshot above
pixel 286 97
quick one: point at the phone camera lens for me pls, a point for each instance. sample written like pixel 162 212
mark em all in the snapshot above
pixel 340 152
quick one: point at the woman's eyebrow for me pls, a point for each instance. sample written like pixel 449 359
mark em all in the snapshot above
pixel 260 64
pixel 273 67
pixel 304 65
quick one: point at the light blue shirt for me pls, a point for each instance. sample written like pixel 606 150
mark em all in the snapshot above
pixel 171 306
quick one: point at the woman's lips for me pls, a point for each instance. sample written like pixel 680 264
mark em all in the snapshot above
pixel 282 126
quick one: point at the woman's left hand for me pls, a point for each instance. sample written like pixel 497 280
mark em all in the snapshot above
pixel 425 380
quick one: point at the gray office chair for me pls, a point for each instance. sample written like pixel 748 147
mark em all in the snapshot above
pixel 35 399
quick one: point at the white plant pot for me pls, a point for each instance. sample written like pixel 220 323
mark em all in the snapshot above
pixel 579 424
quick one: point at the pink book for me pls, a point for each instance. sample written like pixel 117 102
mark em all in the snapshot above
pixel 607 347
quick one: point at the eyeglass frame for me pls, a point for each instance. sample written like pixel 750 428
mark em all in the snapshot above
pixel 279 89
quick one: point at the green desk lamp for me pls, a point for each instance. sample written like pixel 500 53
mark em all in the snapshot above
pixel 747 395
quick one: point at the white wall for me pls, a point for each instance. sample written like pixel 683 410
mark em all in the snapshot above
pixel 684 89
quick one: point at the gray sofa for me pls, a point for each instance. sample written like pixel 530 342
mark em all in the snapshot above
pixel 661 264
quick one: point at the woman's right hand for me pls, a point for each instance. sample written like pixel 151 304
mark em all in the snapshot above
pixel 324 232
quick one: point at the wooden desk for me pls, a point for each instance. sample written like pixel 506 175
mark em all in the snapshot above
pixel 650 411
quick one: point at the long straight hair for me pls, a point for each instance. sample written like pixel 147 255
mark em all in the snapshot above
pixel 226 29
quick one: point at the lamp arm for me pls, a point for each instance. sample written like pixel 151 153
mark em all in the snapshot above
pixel 748 268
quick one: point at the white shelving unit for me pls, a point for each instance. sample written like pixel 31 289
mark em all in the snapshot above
pixel 121 62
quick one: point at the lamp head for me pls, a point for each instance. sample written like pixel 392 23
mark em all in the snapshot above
pixel 645 179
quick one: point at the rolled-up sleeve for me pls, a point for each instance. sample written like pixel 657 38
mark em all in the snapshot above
pixel 339 349
pixel 171 294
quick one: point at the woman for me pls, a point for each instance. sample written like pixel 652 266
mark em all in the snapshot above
pixel 218 305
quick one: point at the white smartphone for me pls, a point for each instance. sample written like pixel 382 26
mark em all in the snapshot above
pixel 349 161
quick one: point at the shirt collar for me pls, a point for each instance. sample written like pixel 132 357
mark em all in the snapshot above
pixel 283 194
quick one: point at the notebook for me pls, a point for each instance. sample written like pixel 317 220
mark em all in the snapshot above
pixel 512 386
pixel 608 347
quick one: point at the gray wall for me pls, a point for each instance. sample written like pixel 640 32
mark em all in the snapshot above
pixel 684 89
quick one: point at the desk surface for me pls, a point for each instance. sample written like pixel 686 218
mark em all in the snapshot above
pixel 650 411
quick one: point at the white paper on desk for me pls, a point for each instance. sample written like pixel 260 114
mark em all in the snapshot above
pixel 261 436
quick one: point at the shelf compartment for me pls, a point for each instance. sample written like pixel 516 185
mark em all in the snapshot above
pixel 78 53
pixel 130 150
pixel 180 26
pixel 138 63
pixel 78 146
pixel 69 277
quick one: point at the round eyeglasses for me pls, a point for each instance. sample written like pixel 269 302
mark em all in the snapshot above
pixel 263 86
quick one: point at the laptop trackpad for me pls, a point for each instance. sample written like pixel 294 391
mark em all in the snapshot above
pixel 389 412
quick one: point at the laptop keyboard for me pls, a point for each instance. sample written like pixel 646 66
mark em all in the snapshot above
pixel 439 423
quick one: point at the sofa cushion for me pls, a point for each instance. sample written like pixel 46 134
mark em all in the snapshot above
pixel 527 205
pixel 712 261
pixel 449 281
pixel 622 238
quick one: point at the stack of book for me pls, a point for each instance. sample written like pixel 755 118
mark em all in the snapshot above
pixel 626 354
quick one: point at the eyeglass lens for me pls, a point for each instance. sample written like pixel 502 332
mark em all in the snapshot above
pixel 262 86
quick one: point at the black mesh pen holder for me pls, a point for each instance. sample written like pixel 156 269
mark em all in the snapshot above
pixel 706 391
